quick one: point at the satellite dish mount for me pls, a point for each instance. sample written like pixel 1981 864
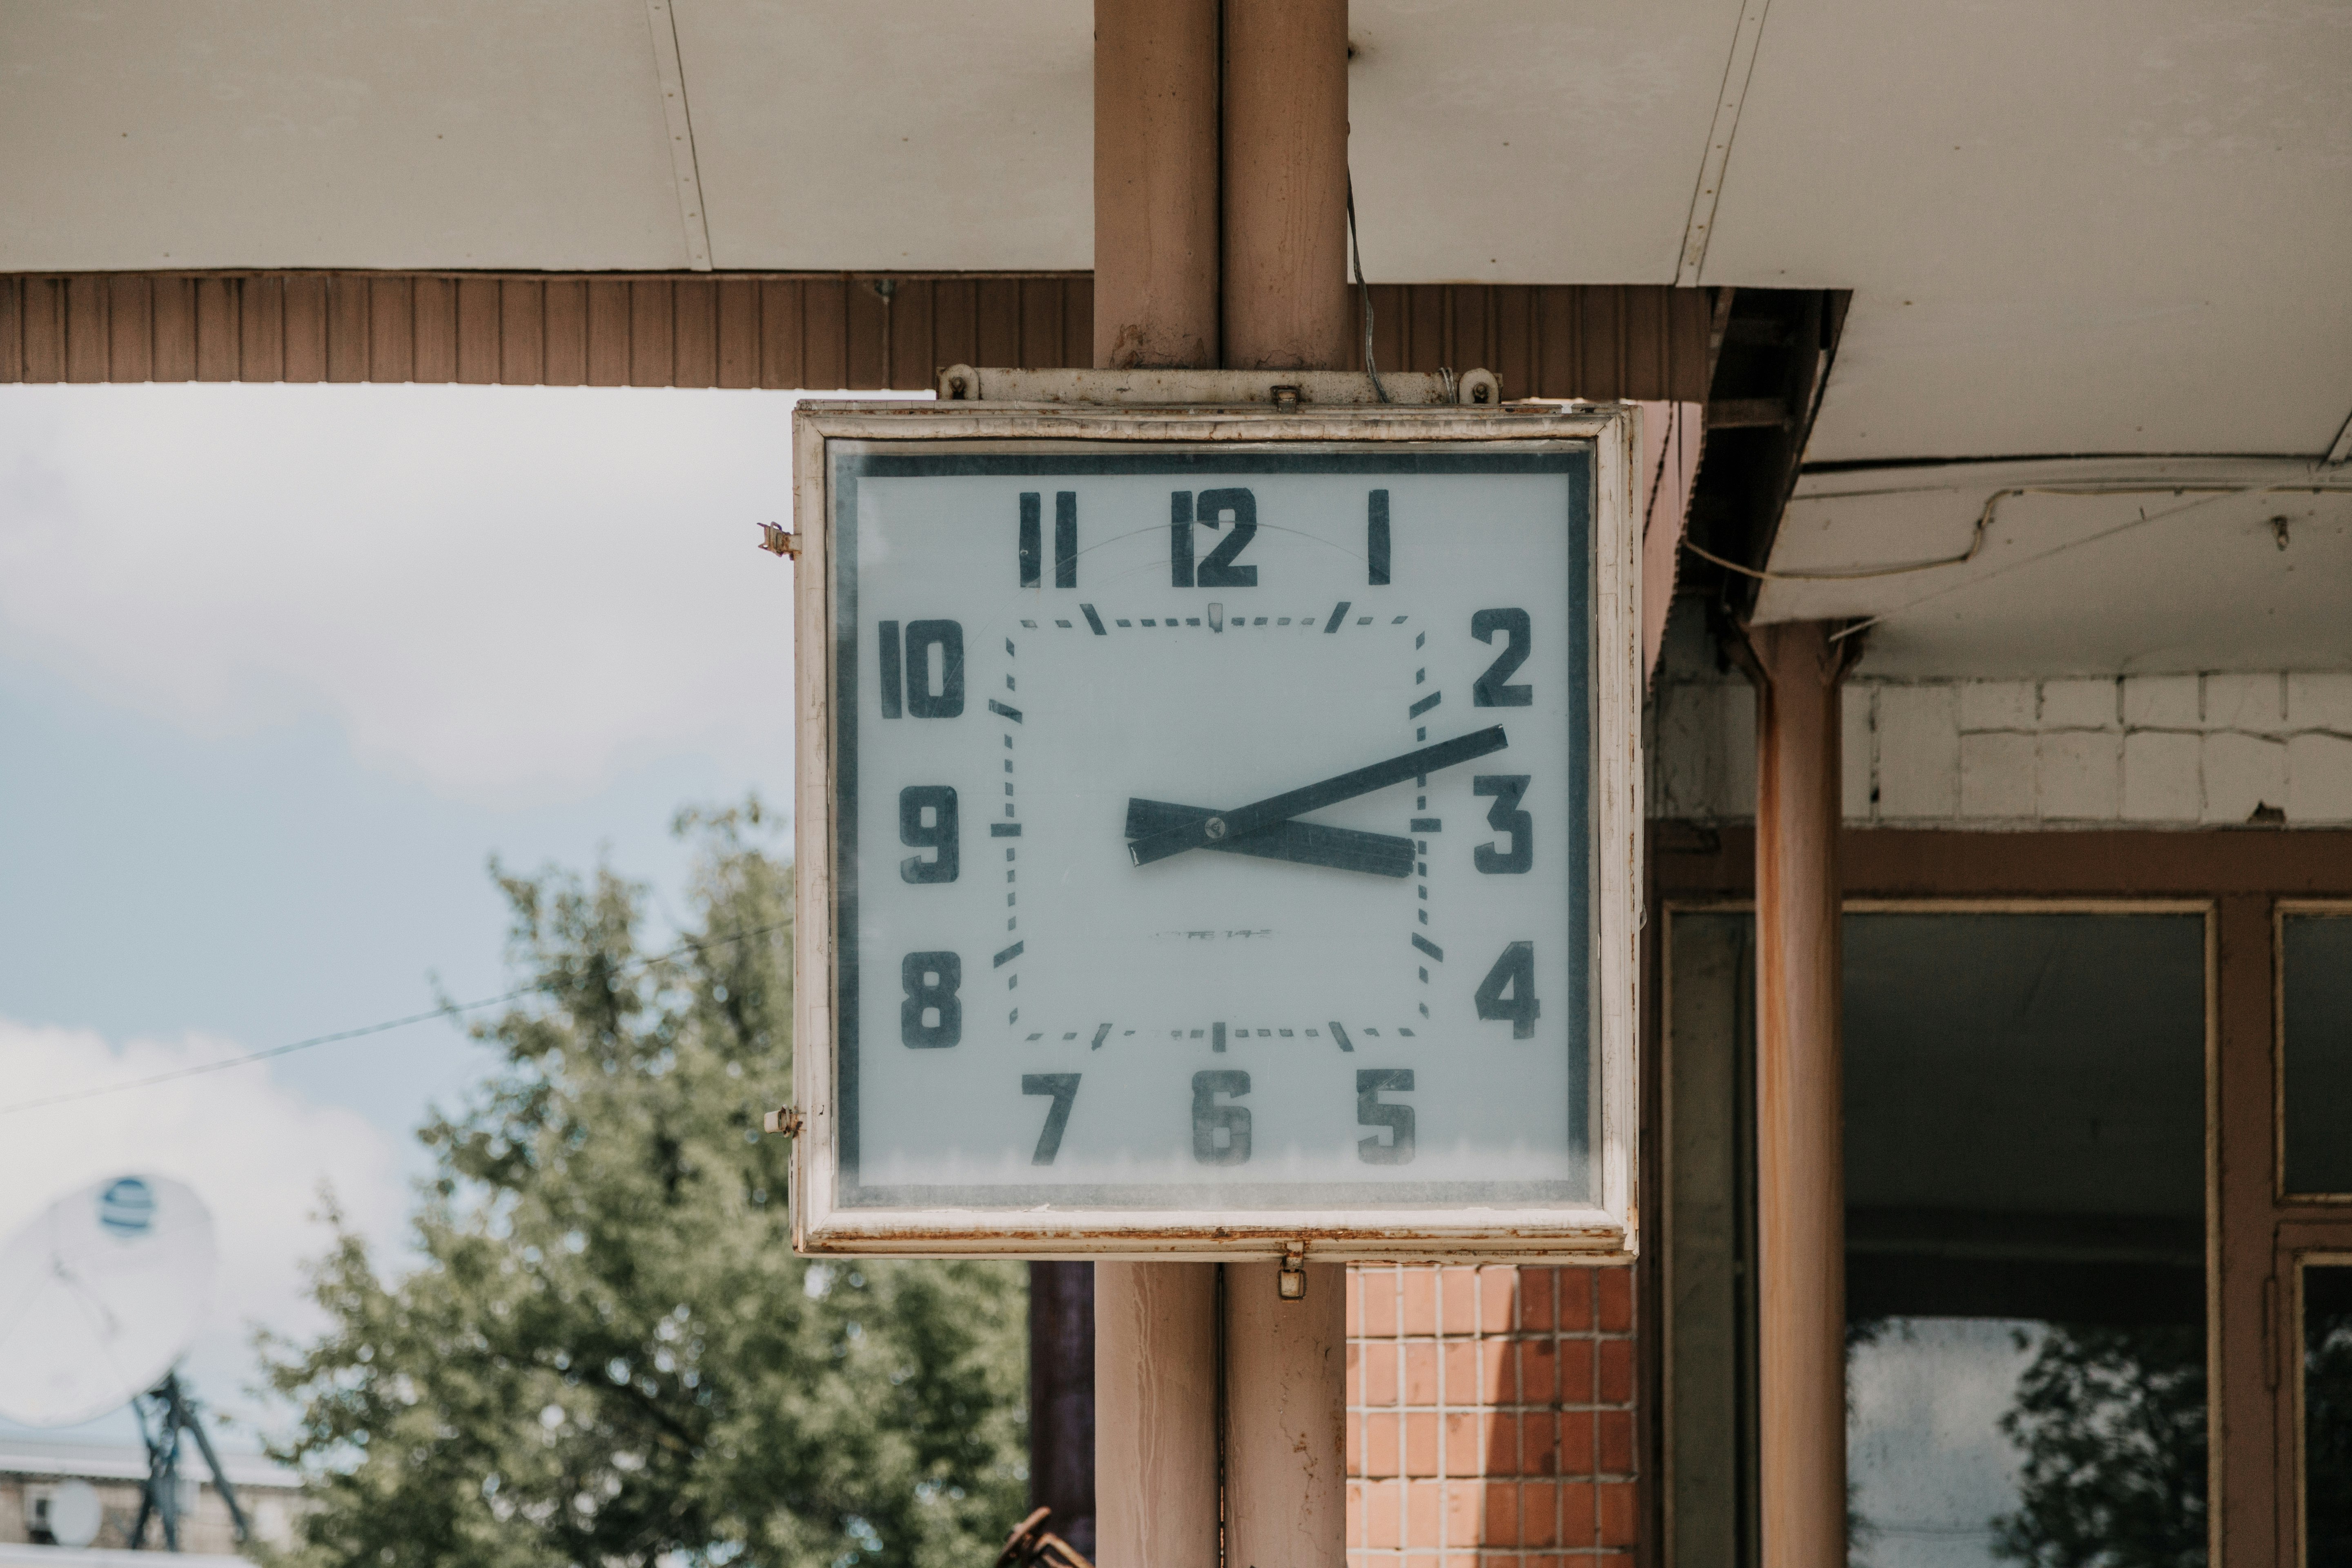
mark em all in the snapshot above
pixel 173 1413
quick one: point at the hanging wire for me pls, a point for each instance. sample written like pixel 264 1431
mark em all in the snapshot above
pixel 447 1010
pixel 1364 292
pixel 1985 518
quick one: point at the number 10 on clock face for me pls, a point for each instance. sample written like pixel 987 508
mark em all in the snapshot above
pixel 1213 828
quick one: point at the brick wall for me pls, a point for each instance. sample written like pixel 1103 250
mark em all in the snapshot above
pixel 2179 750
pixel 1490 1415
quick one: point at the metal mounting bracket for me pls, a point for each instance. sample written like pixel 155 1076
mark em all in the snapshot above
pixel 1285 390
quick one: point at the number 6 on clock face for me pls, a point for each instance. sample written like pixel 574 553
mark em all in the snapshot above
pixel 1255 788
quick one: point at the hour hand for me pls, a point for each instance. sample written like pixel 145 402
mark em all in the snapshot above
pixel 1305 843
pixel 1259 815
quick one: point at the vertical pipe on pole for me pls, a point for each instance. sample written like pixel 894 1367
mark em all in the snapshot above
pixel 1156 184
pixel 1156 282
pixel 1156 1415
pixel 1286 1432
pixel 1285 190
pixel 1286 307
pixel 1799 1137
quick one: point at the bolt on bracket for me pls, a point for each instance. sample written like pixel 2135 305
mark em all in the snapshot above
pixel 783 1120
pixel 1291 1283
pixel 777 540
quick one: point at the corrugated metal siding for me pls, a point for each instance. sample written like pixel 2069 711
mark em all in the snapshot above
pixel 1634 340
pixel 860 332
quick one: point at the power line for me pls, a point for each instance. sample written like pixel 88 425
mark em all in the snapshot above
pixel 448 1010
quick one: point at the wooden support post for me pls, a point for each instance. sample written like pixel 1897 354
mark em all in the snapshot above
pixel 1156 1415
pixel 1286 167
pixel 1799 1135
pixel 1156 183
pixel 1286 1423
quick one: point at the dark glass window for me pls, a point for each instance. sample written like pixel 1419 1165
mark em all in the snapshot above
pixel 2315 975
pixel 2327 1413
pixel 2025 1238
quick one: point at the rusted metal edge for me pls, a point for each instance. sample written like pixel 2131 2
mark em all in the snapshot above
pixel 1227 388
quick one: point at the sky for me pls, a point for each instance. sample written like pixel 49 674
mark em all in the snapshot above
pixel 281 667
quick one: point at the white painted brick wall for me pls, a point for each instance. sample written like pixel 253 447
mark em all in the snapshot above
pixel 2319 778
pixel 2320 702
pixel 2243 773
pixel 2163 781
pixel 2174 751
pixel 2160 702
pixel 2080 704
pixel 1859 753
pixel 1917 730
pixel 2079 775
pixel 1996 775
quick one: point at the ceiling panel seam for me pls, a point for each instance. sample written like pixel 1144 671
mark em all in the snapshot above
pixel 1736 72
pixel 670 70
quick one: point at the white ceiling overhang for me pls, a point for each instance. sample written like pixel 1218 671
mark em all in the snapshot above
pixel 2079 567
pixel 2113 226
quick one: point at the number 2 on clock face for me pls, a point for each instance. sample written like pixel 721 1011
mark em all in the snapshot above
pixel 1216 823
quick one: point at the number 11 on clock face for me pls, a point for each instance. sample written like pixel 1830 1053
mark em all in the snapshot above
pixel 1214 826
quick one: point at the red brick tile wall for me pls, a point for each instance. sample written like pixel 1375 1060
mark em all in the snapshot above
pixel 1490 1416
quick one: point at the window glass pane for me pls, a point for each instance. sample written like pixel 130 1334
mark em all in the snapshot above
pixel 2025 1191
pixel 2326 1415
pixel 2315 967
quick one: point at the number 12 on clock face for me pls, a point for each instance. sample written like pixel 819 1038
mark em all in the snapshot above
pixel 1214 826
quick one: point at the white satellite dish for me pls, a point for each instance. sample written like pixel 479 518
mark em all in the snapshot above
pixel 99 1295
pixel 76 1514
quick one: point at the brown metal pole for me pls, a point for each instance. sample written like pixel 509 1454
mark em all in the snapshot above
pixel 1286 1423
pixel 1800 1142
pixel 1286 307
pixel 1155 183
pixel 1156 260
pixel 1285 166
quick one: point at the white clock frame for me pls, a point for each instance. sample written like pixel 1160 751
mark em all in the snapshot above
pixel 1605 1232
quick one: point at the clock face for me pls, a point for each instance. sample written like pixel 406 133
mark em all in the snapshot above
pixel 1213 827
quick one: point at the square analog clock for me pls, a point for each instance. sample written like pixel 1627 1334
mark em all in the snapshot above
pixel 1216 830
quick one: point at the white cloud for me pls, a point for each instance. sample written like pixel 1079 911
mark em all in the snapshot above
pixel 255 1152
pixel 506 593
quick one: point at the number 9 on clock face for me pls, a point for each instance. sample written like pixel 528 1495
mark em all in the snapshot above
pixel 1213 828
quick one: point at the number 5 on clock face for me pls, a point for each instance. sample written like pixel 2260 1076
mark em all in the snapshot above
pixel 1214 827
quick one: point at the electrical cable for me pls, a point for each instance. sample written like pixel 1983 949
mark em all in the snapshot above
pixel 1984 522
pixel 447 1010
pixel 1364 292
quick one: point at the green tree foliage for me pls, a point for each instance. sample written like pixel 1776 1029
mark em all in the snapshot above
pixel 608 1352
pixel 2111 1424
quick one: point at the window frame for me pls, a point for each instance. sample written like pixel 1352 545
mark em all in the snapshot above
pixel 2246 876
pixel 2205 909
pixel 2281 912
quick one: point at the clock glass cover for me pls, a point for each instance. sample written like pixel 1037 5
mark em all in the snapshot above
pixel 1212 825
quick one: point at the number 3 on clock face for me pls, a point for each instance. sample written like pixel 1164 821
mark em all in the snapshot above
pixel 1214 826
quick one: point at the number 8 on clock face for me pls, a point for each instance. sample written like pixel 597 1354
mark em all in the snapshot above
pixel 1213 826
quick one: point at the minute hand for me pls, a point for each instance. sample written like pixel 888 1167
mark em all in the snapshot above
pixel 1274 808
